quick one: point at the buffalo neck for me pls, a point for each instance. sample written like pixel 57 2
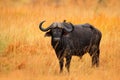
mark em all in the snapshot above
pixel 58 45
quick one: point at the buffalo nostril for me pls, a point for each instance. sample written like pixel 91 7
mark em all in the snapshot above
pixel 56 39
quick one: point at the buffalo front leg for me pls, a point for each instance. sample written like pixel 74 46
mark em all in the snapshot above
pixel 61 62
pixel 67 65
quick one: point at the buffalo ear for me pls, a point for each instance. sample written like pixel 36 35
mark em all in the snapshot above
pixel 64 32
pixel 48 34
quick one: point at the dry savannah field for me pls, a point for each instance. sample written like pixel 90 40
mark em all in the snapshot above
pixel 25 54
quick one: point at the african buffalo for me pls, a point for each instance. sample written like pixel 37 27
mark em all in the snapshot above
pixel 73 40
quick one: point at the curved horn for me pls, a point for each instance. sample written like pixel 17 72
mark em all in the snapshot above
pixel 43 29
pixel 68 27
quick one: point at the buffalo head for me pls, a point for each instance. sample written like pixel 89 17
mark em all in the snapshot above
pixel 56 30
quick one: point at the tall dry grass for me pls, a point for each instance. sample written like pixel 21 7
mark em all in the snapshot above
pixel 26 55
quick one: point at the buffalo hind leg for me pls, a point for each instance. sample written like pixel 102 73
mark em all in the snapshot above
pixel 68 60
pixel 95 58
pixel 61 62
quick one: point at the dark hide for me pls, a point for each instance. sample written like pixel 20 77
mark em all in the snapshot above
pixel 84 38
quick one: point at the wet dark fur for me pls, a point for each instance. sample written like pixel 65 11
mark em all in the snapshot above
pixel 84 38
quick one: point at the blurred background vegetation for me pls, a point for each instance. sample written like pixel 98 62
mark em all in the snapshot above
pixel 111 5
pixel 26 53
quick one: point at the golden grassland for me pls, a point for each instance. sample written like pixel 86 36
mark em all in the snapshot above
pixel 25 54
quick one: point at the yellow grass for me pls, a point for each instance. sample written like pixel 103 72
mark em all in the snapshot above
pixel 25 54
